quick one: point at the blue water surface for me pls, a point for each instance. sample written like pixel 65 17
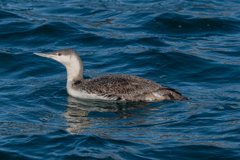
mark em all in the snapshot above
pixel 191 46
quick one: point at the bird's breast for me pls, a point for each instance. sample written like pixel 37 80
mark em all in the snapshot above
pixel 78 93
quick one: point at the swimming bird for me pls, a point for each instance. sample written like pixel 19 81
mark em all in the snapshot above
pixel 119 87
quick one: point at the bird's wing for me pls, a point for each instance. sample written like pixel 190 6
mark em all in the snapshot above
pixel 121 87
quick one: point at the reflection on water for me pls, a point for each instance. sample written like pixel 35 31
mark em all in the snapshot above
pixel 81 113
pixel 160 122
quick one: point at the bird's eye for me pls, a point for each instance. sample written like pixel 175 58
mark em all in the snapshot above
pixel 59 54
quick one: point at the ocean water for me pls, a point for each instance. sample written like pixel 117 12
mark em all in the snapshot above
pixel 191 46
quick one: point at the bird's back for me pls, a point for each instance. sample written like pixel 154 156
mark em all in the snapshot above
pixel 127 87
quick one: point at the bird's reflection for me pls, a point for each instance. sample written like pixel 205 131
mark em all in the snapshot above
pixel 78 110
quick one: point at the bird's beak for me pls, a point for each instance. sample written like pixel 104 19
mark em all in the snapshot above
pixel 47 55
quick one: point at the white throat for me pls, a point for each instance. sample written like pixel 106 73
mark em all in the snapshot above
pixel 74 69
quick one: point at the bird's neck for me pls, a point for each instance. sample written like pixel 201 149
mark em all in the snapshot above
pixel 75 70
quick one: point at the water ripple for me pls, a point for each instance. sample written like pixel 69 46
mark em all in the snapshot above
pixel 189 46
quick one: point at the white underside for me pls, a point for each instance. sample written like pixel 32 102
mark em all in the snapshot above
pixel 82 94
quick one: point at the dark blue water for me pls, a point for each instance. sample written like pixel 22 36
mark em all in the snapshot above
pixel 190 46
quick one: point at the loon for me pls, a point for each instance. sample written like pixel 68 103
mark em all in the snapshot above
pixel 118 87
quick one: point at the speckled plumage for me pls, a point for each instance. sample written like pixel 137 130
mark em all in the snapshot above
pixel 127 87
pixel 111 87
